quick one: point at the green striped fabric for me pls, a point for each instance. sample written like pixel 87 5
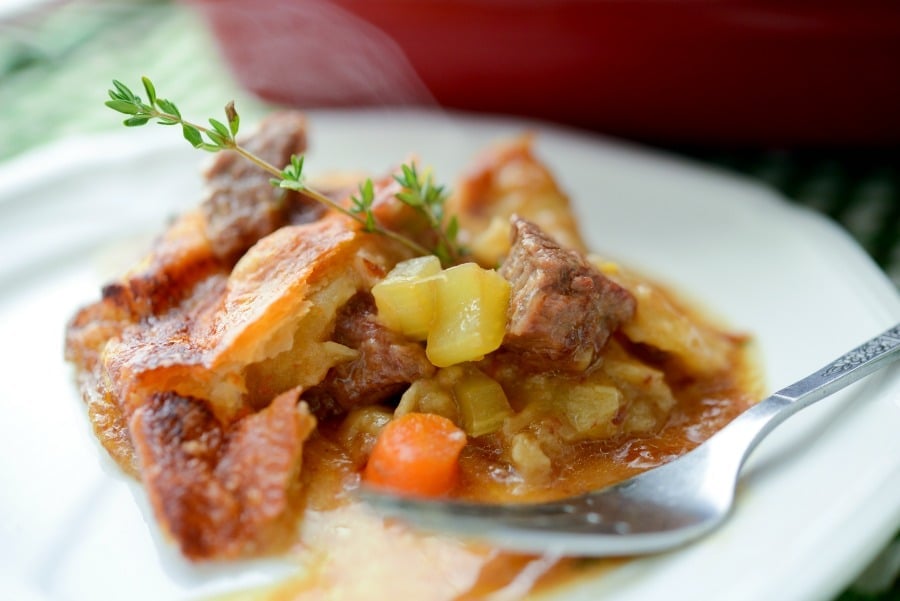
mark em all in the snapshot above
pixel 56 66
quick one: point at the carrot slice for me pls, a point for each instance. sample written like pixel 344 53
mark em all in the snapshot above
pixel 416 454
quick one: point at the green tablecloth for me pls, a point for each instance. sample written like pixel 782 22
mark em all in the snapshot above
pixel 56 63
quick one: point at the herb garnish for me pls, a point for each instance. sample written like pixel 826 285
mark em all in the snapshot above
pixel 419 192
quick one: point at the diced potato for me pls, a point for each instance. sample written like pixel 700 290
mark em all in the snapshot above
pixel 470 315
pixel 461 311
pixel 652 399
pixel 590 410
pixel 482 403
pixel 405 298
pixel 642 418
pixel 583 409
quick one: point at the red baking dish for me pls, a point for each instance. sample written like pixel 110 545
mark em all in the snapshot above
pixel 687 71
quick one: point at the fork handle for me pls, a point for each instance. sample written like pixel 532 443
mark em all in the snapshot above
pixel 748 429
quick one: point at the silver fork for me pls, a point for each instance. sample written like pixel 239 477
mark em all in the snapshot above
pixel 657 510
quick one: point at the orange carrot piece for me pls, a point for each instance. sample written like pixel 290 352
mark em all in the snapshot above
pixel 417 454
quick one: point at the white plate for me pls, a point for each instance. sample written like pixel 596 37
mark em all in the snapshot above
pixel 818 500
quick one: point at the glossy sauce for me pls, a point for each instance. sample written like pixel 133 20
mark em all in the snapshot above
pixel 348 552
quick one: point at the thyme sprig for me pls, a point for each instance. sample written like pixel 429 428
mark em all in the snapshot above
pixel 422 194
pixel 419 192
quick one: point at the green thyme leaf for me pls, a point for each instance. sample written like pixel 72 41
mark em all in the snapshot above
pixel 290 184
pixel 294 171
pixel 124 92
pixel 361 204
pixel 452 229
pixel 220 128
pixel 216 138
pixel 123 106
pixel 192 135
pixel 150 89
pixel 136 121
pixel 169 107
pixel 410 199
pixel 428 199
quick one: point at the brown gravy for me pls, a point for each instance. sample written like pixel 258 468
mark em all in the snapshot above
pixel 346 551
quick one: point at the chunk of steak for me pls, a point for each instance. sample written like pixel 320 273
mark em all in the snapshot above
pixel 241 205
pixel 387 362
pixel 220 493
pixel 562 309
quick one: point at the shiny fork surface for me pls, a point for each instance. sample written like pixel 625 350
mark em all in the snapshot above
pixel 657 510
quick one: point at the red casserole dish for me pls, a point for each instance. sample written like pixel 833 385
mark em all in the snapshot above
pixel 691 71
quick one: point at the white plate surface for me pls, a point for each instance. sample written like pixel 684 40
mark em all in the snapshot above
pixel 818 500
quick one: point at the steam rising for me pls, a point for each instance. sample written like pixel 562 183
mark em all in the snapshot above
pixel 312 53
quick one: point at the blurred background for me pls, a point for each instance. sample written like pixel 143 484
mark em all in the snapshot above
pixel 801 95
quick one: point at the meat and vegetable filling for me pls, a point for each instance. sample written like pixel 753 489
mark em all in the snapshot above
pixel 266 341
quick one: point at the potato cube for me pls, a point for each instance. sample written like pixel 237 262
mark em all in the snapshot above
pixel 591 410
pixel 469 315
pixel 405 298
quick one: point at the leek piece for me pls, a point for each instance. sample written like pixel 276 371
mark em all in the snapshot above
pixel 482 403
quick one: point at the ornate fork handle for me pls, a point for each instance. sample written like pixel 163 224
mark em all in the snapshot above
pixel 866 358
pixel 749 428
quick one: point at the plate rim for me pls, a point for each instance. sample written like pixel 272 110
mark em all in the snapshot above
pixel 19 173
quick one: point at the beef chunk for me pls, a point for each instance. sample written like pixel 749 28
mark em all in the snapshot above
pixel 386 365
pixel 562 309
pixel 241 205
